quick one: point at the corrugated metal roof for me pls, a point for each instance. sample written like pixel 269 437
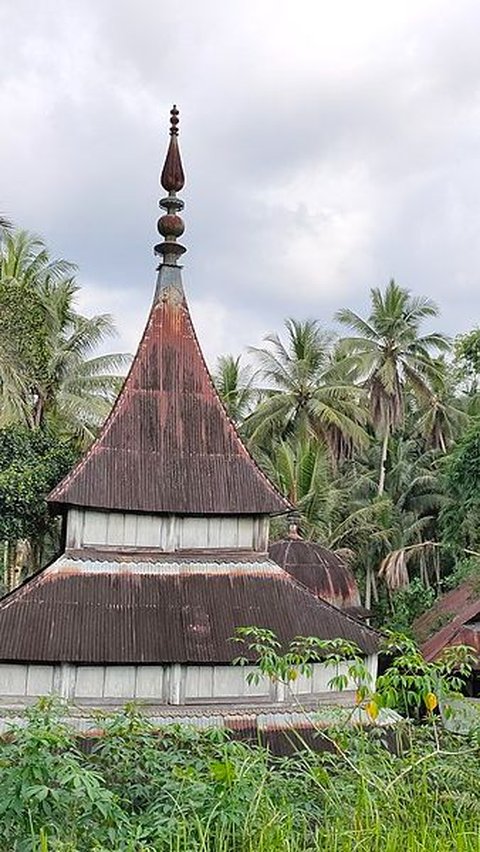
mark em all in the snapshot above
pixel 101 562
pixel 168 445
pixel 319 569
pixel 446 623
pixel 80 611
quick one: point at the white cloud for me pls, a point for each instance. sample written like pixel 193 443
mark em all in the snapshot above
pixel 328 146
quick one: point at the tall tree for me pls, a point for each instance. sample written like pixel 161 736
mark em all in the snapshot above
pixel 306 391
pixel 46 369
pixel 391 354
pixel 31 463
pixel 234 384
pixel 442 418
pixel 460 516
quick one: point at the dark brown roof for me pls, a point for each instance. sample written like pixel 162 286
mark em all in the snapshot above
pixel 168 445
pixel 450 621
pixel 320 570
pixel 179 610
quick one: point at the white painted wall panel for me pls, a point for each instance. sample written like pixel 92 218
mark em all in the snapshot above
pixel 90 682
pixel 193 533
pixel 148 531
pixel 130 531
pixel 228 681
pixel 39 680
pixel 174 684
pixel 89 528
pixel 245 533
pixel 198 682
pixel 75 528
pixel 95 528
pixel 115 527
pixel 262 688
pixel 120 682
pixel 150 682
pixel 13 679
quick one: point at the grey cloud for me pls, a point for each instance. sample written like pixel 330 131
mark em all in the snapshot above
pixel 315 171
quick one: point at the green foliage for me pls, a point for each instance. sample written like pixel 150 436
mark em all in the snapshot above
pixel 390 353
pixel 306 391
pixel 406 605
pixel 409 678
pixel 31 463
pixel 463 570
pixel 460 517
pixel 45 784
pixel 404 686
pixel 276 663
pixel 183 790
pixel 467 352
pixel 234 385
pixel 47 372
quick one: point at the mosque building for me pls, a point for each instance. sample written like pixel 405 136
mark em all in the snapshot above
pixel 165 545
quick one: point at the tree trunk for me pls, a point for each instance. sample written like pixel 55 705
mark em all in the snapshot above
pixel 6 563
pixel 383 460
pixel 368 588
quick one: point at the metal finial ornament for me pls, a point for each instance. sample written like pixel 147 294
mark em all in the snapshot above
pixel 293 525
pixel 174 120
pixel 171 225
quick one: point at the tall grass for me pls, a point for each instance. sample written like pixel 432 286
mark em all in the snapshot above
pixel 182 790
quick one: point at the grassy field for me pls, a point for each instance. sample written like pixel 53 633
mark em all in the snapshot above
pixel 181 790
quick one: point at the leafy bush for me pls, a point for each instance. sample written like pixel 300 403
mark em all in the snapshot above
pixel 182 790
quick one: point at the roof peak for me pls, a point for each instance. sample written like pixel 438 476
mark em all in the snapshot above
pixel 170 225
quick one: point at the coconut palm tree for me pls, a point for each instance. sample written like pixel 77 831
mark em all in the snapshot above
pixel 234 384
pixel 442 417
pixel 390 354
pixel 77 388
pixel 306 390
pixel 46 368
pixel 330 508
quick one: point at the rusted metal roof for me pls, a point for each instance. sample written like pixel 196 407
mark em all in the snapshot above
pixel 318 568
pixel 98 612
pixel 454 619
pixel 168 444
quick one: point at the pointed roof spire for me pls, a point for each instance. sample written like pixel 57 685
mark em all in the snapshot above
pixel 171 225
pixel 168 445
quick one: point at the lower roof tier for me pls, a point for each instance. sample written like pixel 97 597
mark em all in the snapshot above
pixel 97 608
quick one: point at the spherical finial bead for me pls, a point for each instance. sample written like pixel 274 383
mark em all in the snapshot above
pixel 170 225
pixel 174 121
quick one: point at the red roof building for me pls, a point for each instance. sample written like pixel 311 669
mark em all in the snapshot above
pixel 454 619
pixel 166 534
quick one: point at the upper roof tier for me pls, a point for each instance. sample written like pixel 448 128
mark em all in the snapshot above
pixel 168 445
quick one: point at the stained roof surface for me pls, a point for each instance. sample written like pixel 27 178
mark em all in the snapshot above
pixel 168 445
pixel 319 569
pixel 451 620
pixel 111 611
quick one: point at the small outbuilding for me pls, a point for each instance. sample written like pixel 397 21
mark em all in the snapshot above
pixel 454 619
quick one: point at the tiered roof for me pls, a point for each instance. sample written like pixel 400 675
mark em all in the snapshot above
pixel 168 446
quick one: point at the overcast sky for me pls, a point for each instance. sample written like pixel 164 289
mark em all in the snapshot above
pixel 329 145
